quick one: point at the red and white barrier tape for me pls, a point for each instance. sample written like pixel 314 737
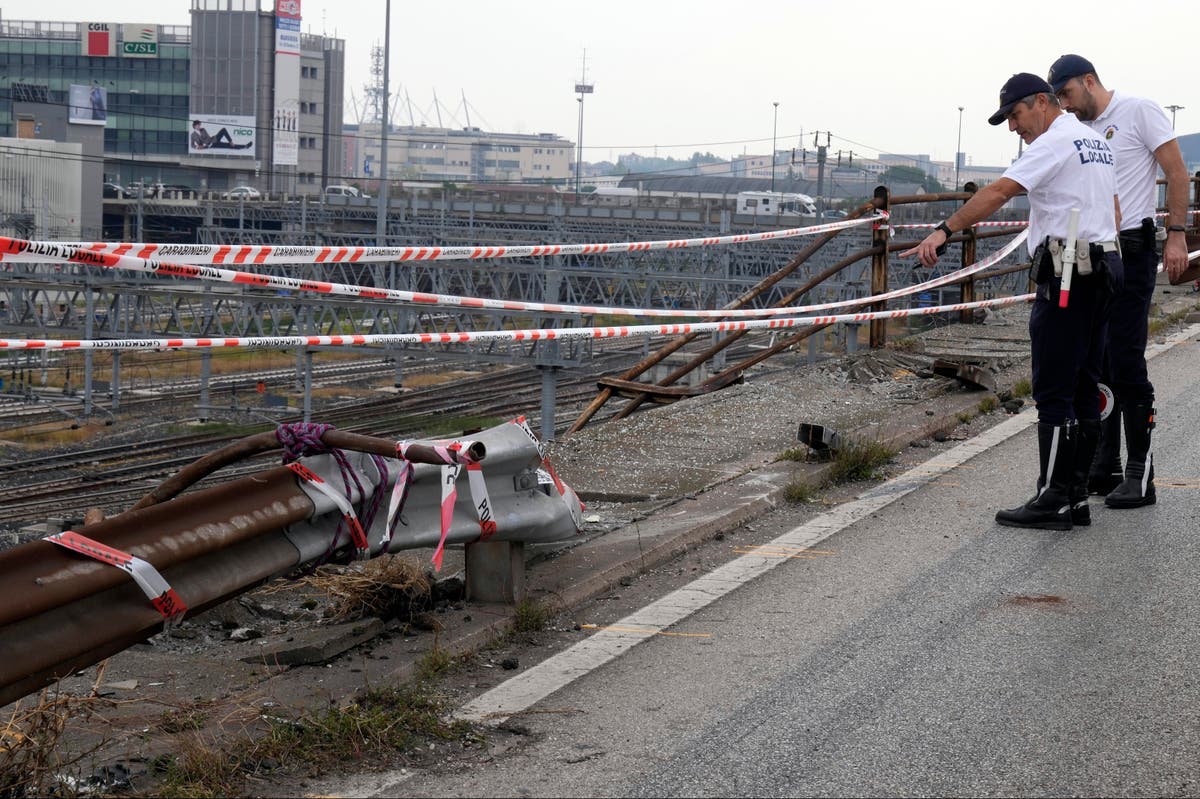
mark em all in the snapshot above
pixel 358 536
pixel 269 254
pixel 574 504
pixel 161 595
pixel 919 225
pixel 455 455
pixel 449 497
pixel 69 255
pixel 544 334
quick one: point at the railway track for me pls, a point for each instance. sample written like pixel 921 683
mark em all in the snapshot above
pixel 63 485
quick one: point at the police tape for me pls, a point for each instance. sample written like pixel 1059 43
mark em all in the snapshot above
pixel 494 336
pixel 72 254
pixel 268 254
pixel 919 225
pixel 161 595
pixel 358 536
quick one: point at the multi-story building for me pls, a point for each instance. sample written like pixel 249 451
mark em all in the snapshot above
pixel 467 155
pixel 240 96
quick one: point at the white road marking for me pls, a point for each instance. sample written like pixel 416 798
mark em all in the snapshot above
pixel 540 681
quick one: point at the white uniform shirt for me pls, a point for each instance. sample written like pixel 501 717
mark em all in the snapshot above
pixel 1134 128
pixel 1067 167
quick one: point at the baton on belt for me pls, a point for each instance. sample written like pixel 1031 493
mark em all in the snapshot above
pixel 1068 259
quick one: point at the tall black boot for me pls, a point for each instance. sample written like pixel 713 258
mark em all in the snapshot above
pixel 1087 436
pixel 1106 473
pixel 1138 487
pixel 1050 507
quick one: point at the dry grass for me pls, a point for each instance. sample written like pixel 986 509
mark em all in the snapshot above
pixel 32 763
pixel 387 587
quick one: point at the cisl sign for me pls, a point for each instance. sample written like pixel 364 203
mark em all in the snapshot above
pixel 139 41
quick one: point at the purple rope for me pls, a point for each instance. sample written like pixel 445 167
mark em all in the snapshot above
pixel 303 439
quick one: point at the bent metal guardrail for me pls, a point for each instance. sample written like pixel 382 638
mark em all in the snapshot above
pixel 78 597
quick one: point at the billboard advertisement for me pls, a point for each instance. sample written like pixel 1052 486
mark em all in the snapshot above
pixel 286 123
pixel 98 39
pixel 229 136
pixel 139 41
pixel 87 105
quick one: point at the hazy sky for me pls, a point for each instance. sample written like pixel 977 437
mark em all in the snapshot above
pixel 676 76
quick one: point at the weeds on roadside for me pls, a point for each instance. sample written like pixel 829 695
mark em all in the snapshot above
pixel 31 761
pixel 182 719
pixel 1022 388
pixel 859 460
pixel 796 454
pixel 434 662
pixel 531 616
pixel 799 492
pixel 988 404
pixel 1160 323
pixel 378 724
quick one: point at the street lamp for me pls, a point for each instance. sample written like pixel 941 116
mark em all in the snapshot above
pixel 958 148
pixel 582 88
pixel 1173 109
pixel 774 132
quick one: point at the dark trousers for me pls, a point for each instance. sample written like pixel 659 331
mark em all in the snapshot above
pixel 1125 366
pixel 1067 344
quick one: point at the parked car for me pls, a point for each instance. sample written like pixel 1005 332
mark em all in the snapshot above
pixel 345 191
pixel 113 189
pixel 242 193
pixel 137 189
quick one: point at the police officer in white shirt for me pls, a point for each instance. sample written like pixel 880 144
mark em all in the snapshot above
pixel 1142 140
pixel 1066 166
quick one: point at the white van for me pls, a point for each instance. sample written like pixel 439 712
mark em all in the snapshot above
pixel 343 191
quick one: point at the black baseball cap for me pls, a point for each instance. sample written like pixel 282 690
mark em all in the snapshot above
pixel 1018 87
pixel 1067 67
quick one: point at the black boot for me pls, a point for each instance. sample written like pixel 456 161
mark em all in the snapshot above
pixel 1106 473
pixel 1087 433
pixel 1050 507
pixel 1138 487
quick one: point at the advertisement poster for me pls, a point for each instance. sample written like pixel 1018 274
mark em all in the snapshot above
pixel 221 135
pixel 286 122
pixel 87 105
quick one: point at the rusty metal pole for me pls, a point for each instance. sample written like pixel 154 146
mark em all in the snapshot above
pixel 879 267
pixel 968 258
pixel 650 361
pixel 729 339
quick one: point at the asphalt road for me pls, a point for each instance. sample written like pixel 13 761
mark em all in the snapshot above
pixel 921 650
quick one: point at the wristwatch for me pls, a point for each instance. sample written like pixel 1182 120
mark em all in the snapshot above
pixel 1176 229
pixel 942 226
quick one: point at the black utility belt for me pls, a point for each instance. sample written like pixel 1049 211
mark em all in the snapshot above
pixel 1048 259
pixel 1138 237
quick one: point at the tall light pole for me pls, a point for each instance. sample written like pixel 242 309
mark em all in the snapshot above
pixel 1173 109
pixel 774 132
pixel 582 87
pixel 381 211
pixel 958 148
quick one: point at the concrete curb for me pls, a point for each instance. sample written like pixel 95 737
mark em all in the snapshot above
pixel 571 578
